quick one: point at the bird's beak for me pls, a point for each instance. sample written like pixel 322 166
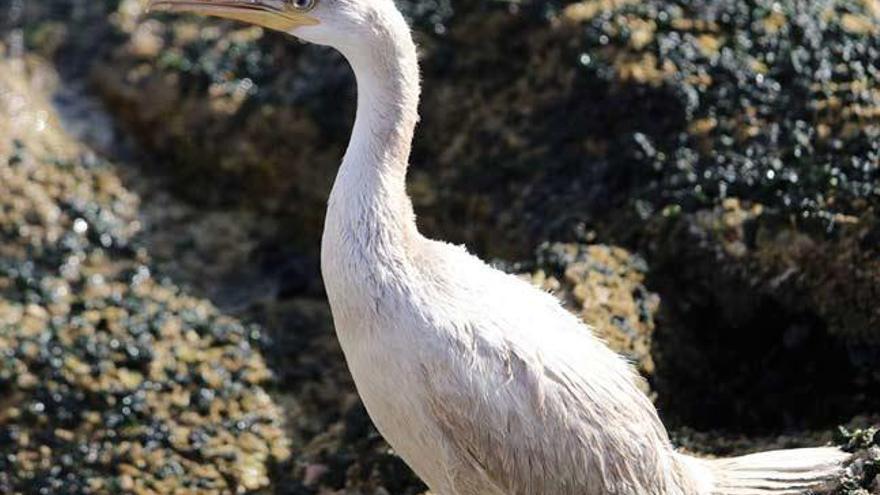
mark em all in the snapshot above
pixel 272 14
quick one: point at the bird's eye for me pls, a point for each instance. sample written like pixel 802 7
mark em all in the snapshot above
pixel 303 5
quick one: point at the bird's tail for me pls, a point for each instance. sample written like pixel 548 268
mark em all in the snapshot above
pixel 777 472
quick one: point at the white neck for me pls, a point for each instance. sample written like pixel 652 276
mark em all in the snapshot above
pixel 369 203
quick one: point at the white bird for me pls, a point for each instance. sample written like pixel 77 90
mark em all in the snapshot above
pixel 482 383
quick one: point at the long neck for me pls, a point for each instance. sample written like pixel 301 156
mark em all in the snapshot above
pixel 369 200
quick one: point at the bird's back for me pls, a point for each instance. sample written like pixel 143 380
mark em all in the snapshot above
pixel 537 400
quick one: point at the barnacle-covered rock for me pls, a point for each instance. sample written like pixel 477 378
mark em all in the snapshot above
pixel 113 380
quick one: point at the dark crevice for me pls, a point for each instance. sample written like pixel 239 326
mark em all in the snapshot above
pixel 730 358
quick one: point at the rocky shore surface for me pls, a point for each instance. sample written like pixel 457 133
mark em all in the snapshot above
pixel 113 380
pixel 697 180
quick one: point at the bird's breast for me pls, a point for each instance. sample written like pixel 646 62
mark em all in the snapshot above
pixel 383 357
pixel 381 332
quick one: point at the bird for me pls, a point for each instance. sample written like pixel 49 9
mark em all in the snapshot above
pixel 480 382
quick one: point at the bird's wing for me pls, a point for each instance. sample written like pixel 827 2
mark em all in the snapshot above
pixel 538 405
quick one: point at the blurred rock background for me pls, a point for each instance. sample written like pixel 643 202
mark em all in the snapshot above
pixel 699 180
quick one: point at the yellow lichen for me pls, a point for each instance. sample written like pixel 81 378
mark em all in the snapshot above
pixel 644 69
pixel 586 10
pixel 709 44
pixel 774 22
pixel 857 24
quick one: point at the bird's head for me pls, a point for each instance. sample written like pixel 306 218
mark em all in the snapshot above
pixel 337 23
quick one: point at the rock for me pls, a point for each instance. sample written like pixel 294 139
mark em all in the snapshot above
pixel 861 476
pixel 90 337
pixel 838 276
pixel 770 306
